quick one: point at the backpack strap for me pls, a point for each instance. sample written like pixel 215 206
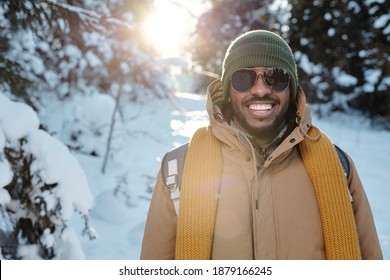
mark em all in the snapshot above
pixel 172 171
pixel 346 166
pixel 344 160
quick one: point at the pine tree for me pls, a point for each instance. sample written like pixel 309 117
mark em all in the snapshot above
pixel 40 187
pixel 346 43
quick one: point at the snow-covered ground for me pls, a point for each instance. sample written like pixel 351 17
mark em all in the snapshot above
pixel 122 194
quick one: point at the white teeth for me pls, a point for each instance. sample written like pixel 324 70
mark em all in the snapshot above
pixel 260 107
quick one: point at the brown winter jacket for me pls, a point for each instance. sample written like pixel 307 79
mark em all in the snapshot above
pixel 285 223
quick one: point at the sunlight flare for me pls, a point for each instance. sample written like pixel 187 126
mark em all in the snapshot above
pixel 167 29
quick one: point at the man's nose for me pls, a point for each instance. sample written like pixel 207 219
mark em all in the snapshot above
pixel 260 88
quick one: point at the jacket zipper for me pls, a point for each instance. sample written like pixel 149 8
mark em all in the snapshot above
pixel 253 193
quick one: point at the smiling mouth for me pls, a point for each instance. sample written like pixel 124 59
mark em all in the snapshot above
pixel 260 107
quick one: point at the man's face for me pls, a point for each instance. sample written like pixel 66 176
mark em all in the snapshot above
pixel 260 111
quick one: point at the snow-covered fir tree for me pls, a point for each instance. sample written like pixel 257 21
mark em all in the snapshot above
pixel 342 50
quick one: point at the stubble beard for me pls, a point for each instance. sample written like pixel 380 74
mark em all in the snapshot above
pixel 268 132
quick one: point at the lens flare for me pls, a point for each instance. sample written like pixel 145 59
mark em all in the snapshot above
pixel 166 30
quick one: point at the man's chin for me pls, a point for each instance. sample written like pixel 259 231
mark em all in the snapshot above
pixel 265 130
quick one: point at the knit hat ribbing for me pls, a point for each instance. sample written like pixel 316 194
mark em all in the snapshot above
pixel 259 48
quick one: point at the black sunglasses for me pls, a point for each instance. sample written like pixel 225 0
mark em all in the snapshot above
pixel 277 79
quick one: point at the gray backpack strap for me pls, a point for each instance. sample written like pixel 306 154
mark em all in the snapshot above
pixel 172 171
pixel 346 166
pixel 344 160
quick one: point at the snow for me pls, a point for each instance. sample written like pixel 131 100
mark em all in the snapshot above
pixel 382 21
pixel 331 32
pixel 90 109
pixel 93 60
pixel 17 119
pixel 343 78
pixel 372 77
pixel 306 64
pixel 54 164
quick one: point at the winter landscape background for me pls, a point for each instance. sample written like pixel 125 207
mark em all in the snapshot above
pixel 94 93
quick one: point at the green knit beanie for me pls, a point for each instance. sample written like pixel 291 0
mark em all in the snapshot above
pixel 259 48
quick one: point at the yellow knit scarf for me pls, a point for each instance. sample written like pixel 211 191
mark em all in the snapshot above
pixel 200 187
pixel 198 197
pixel 327 175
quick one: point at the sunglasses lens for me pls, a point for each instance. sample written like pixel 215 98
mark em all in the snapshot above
pixel 243 79
pixel 277 79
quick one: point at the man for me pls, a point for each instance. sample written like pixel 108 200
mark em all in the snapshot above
pixel 261 182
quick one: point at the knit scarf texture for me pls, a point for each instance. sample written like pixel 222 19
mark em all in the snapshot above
pixel 198 197
pixel 200 192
